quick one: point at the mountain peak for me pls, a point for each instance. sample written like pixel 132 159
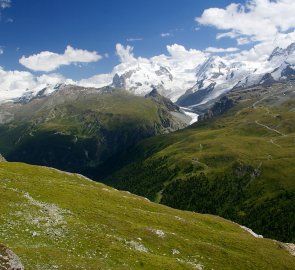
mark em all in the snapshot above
pixel 166 102
pixel 118 81
pixel 153 93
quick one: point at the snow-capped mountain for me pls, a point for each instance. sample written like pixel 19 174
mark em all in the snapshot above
pixel 36 93
pixel 189 83
pixel 170 74
pixel 22 85
pixel 25 95
pixel 203 81
pixel 218 75
pixel 140 77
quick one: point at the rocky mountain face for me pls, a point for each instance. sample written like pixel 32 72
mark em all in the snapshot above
pixel 219 108
pixel 220 75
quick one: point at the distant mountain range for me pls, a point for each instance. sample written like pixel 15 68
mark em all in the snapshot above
pixel 187 87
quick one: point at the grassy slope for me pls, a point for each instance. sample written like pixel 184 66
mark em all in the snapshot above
pixel 56 220
pixel 76 130
pixel 233 166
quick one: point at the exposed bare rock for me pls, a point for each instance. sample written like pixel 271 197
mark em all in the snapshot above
pixel 9 260
pixel 2 159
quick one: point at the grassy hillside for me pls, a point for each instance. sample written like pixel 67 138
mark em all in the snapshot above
pixel 56 220
pixel 240 165
pixel 77 129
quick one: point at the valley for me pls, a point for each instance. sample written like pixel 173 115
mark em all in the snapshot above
pixel 77 129
pixel 149 135
pixel 236 162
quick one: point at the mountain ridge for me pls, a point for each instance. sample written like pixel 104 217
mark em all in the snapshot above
pixel 79 128
pixel 186 85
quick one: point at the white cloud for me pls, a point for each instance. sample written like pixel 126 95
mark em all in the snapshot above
pixel 261 51
pixel 16 80
pixel 5 4
pixel 191 58
pixel 221 50
pixel 14 84
pixel 1 50
pixel 177 53
pixel 230 34
pixel 97 81
pixel 259 20
pixel 163 35
pixel 125 54
pixel 243 40
pixel 134 39
pixel 52 79
pixel 49 61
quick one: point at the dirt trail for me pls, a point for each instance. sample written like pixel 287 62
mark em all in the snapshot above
pixel 271 129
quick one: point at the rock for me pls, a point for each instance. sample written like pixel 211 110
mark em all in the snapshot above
pixel 220 107
pixel 154 95
pixel 2 159
pixel 9 260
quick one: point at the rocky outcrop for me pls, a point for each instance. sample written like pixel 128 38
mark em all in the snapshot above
pixel 193 96
pixel 9 260
pixel 155 96
pixel 2 159
pixel 267 80
pixel 219 107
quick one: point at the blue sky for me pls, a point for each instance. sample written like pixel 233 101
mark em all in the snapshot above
pixel 32 26
pixel 76 39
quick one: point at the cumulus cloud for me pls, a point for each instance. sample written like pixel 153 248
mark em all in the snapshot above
pixel 176 53
pixel 180 61
pixel 221 50
pixel 125 54
pixel 15 83
pixel 15 80
pixel 259 20
pixel 180 54
pixel 48 61
pixel 97 81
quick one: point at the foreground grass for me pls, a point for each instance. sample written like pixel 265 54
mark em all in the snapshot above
pixel 57 220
